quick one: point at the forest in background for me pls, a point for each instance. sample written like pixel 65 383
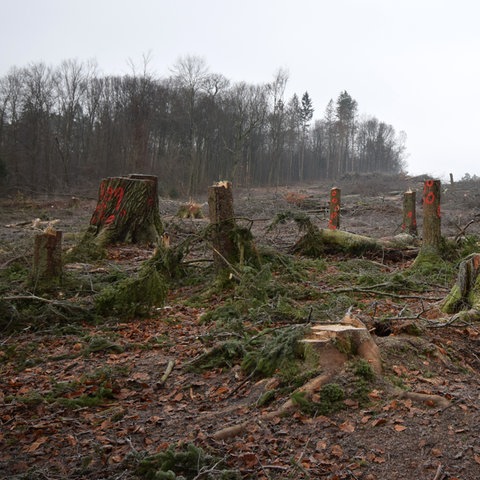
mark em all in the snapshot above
pixel 65 127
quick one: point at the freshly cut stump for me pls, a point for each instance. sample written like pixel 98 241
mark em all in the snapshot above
pixel 127 211
pixel 335 343
pixel 222 219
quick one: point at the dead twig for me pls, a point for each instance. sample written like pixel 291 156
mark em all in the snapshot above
pixel 462 230
pixel 11 260
pixel 241 384
pixel 168 371
pixel 35 298
pixel 438 474
pixel 457 320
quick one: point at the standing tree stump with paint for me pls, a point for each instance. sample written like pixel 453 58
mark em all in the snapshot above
pixel 432 234
pixel 430 251
pixel 334 218
pixel 127 211
pixel 409 224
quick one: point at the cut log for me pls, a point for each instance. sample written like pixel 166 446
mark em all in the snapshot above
pixel 47 256
pixel 127 211
pixel 333 241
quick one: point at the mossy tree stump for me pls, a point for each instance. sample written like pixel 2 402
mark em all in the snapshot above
pixel 47 257
pixel 334 218
pixel 409 224
pixel 222 219
pixel 127 210
pixel 465 294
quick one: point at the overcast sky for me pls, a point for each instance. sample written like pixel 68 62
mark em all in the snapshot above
pixel 414 64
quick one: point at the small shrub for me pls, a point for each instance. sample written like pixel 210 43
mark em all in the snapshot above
pixel 279 351
pixel 224 354
pixel 364 370
pixel 331 400
pixel 190 210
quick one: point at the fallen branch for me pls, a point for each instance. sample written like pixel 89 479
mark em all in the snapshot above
pixel 379 292
pixel 55 303
pixel 11 260
pixel 461 319
pixel 168 371
pixel 462 230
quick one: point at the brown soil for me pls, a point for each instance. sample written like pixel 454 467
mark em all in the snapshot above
pixel 384 438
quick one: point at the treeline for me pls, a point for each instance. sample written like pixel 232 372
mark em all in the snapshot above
pixel 67 126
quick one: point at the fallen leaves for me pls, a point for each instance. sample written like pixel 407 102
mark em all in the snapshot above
pixel 347 427
pixel 36 445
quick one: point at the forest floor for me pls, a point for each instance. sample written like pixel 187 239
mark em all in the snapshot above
pixel 84 398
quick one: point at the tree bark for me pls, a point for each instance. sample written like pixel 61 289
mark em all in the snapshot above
pixel 127 210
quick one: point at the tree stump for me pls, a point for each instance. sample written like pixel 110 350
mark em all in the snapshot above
pixel 409 224
pixel 465 294
pixel 432 235
pixel 334 218
pixel 127 210
pixel 47 256
pixel 335 343
pixel 222 219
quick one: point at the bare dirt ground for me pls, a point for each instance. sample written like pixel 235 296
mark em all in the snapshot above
pixel 86 399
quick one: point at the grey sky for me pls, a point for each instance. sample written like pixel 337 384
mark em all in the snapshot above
pixel 412 63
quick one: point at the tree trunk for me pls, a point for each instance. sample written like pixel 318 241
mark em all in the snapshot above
pixel 127 210
pixel 334 220
pixel 409 224
pixel 319 241
pixel 432 235
pixel 47 257
pixel 220 205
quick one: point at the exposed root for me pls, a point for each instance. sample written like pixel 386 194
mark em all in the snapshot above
pixel 428 399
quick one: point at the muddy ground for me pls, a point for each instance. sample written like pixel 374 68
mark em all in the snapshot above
pixel 50 372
